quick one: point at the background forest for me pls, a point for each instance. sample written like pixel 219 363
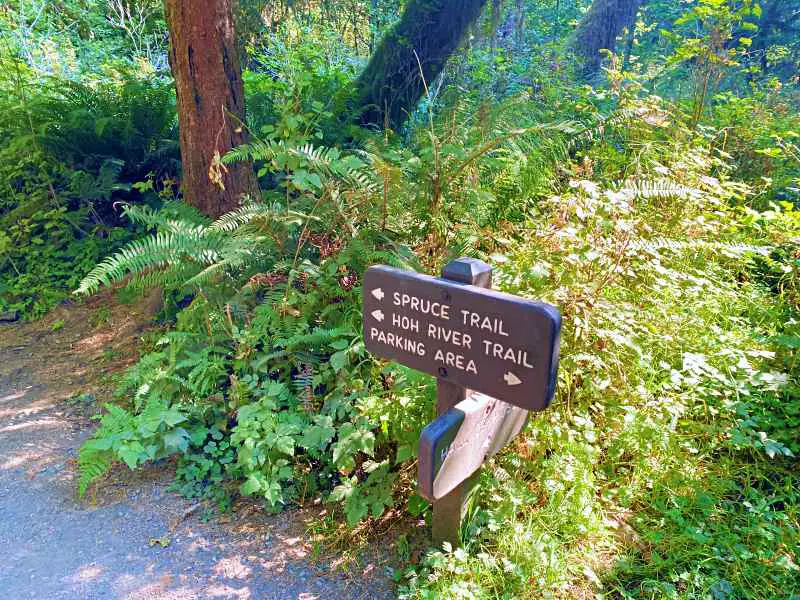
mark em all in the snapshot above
pixel 637 164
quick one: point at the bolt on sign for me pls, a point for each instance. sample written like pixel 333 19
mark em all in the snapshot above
pixel 501 345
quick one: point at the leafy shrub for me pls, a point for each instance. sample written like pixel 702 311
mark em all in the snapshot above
pixel 266 362
pixel 44 256
pixel 677 390
pixel 278 388
pixel 295 89
pixel 669 441
pixel 72 150
pixel 762 135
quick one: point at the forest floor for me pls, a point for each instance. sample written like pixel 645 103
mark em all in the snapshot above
pixel 131 538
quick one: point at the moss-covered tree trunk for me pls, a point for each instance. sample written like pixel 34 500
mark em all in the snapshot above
pixel 210 96
pixel 598 30
pixel 413 52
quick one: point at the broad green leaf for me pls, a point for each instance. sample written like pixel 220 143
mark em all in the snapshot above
pixel 317 437
pixel 285 444
pixel 250 486
pixel 173 416
pixel 131 454
pixel 339 360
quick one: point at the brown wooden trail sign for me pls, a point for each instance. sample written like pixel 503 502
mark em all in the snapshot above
pixel 491 342
pixel 495 356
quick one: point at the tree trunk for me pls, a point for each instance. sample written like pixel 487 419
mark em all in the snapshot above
pixel 519 24
pixel 412 54
pixel 210 96
pixel 598 30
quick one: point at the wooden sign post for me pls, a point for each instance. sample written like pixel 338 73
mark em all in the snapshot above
pixel 495 357
pixel 449 510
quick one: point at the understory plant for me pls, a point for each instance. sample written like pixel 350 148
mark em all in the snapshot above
pixel 264 387
pixel 667 232
pixel 666 466
pixel 266 357
pixel 71 151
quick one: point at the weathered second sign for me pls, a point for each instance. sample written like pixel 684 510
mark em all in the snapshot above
pixel 456 444
pixel 495 343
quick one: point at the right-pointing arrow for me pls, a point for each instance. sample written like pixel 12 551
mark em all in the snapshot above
pixel 511 379
pixel 378 314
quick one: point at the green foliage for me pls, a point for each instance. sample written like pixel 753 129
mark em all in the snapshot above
pixel 295 89
pixel 675 401
pixel 658 211
pixel 278 393
pixel 44 255
pixel 267 355
pixel 762 138
pixel 678 383
pixel 72 149
pixel 134 439
pixel 202 469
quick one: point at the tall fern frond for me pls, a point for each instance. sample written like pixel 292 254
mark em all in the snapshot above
pixel 255 150
pixel 95 456
pixel 662 189
pixel 186 253
pixel 238 253
pixel 732 249
pixel 172 278
pixel 246 214
pixel 330 163
pixel 156 252
pixel 589 134
pixel 92 465
pixel 173 216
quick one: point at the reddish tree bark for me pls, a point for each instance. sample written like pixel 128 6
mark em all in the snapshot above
pixel 211 109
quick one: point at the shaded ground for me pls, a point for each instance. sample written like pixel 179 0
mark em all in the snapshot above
pixel 133 539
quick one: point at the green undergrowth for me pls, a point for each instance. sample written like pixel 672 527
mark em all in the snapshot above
pixel 666 464
pixel 665 228
pixel 72 150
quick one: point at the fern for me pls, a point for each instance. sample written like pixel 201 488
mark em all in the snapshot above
pixel 314 339
pixel 303 383
pixel 249 212
pixel 100 187
pixel 158 252
pixel 346 171
pixel 733 249
pixel 255 150
pixel 184 253
pixel 92 465
pixel 661 189
pixel 589 134
pixel 96 456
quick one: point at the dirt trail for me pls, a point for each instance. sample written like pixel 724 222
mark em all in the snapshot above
pixel 134 539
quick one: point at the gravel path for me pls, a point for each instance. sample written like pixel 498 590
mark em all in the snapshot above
pixel 134 540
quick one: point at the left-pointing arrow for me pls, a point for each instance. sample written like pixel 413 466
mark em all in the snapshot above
pixel 378 293
pixel 378 314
